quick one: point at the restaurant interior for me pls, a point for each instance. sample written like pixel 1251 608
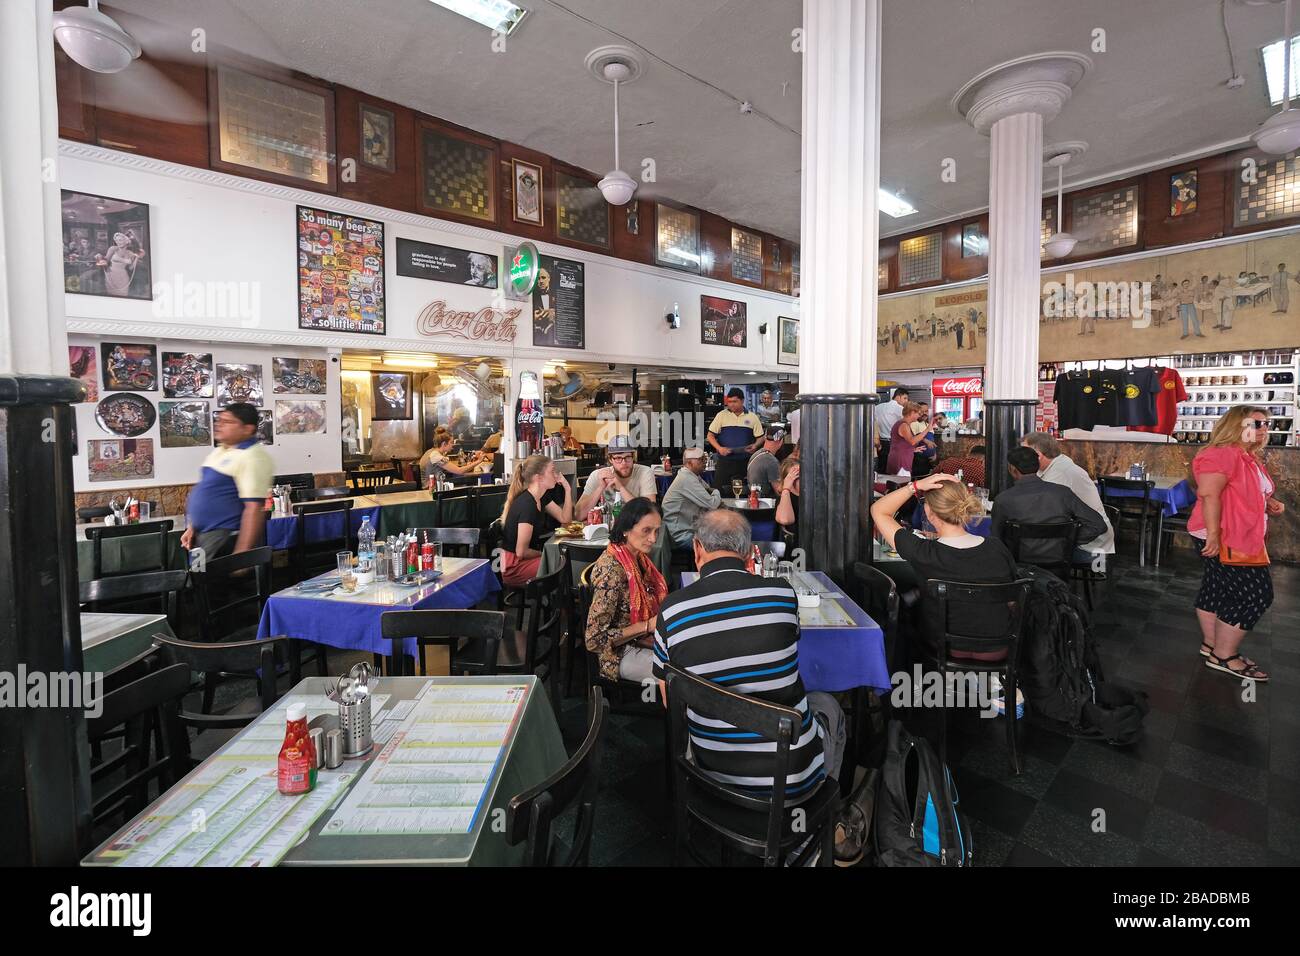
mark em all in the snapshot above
pixel 283 515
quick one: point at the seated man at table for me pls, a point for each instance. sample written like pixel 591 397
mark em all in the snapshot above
pixel 623 475
pixel 970 465
pixel 1056 466
pixel 717 628
pixel 226 510
pixel 764 469
pixel 1031 500
pixel 687 497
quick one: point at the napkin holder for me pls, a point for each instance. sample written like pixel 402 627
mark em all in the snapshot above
pixel 595 532
pixel 809 599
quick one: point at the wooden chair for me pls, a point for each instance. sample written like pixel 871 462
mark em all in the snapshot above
pixel 326 530
pixel 302 481
pixel 456 542
pixel 1057 556
pixel 396 488
pixel 530 815
pixel 319 494
pixel 161 547
pixel 446 628
pixel 369 479
pixel 151 592
pixel 1135 508
pixel 463 500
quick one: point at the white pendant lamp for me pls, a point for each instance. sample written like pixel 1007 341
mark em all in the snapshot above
pixel 1280 133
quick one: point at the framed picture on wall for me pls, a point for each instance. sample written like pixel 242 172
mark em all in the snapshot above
pixel 129 368
pixel 83 366
pixel 581 212
pixel 1182 193
pixel 265 426
pixel 239 383
pixel 677 238
pixel 723 322
pixel 787 341
pixel 377 130
pixel 340 272
pixel 392 392
pixel 300 418
pixel 184 424
pixel 187 374
pixel 105 246
pixel 457 174
pixel 119 459
pixel 527 179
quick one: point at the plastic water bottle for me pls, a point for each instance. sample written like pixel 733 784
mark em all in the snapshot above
pixel 366 544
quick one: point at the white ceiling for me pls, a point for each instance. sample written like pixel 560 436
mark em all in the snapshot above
pixel 1157 93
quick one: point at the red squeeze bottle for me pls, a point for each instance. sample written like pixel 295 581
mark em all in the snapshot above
pixel 297 764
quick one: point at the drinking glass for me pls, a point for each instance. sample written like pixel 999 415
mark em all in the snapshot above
pixel 381 561
pixel 737 487
pixel 347 580
pixel 146 510
pixel 785 569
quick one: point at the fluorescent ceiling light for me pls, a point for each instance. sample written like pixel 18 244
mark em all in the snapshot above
pixel 891 205
pixel 1273 70
pixel 408 363
pixel 500 16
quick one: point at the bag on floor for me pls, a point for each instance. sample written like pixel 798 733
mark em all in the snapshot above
pixel 916 821
pixel 1114 715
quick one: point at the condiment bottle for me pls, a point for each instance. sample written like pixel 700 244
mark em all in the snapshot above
pixel 753 496
pixel 297 763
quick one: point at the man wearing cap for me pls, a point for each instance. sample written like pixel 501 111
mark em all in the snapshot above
pixel 734 434
pixel 688 497
pixel 764 468
pixel 623 475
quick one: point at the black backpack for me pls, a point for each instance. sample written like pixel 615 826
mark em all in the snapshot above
pixel 916 822
pixel 1061 673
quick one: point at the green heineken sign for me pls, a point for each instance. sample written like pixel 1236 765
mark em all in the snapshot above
pixel 523 269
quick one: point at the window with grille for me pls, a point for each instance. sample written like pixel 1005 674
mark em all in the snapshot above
pixel 920 259
pixel 1275 193
pixel 1105 221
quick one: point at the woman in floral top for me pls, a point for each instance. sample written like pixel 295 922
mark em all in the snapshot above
pixel 626 591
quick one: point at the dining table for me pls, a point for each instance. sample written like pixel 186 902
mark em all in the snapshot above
pixel 762 519
pixel 110 640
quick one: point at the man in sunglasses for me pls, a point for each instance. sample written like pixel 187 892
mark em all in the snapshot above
pixel 623 475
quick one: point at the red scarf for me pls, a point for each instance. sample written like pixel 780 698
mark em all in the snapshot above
pixel 646 586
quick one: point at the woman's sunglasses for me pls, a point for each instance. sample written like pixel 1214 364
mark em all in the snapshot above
pixel 1256 423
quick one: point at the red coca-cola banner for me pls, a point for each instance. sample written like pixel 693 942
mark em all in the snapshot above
pixel 971 387
pixel 487 324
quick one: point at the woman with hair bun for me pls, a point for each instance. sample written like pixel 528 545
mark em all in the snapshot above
pixel 954 554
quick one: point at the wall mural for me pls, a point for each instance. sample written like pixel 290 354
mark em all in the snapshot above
pixel 1245 295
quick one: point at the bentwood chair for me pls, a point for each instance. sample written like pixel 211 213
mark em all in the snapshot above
pixel 446 628
pixel 326 529
pixel 456 507
pixel 530 815
pixel 320 494
pixel 877 594
pixel 258 660
pixel 300 481
pixel 773 827
pixel 1135 507
pixel 985 619
pixel 1052 544
pixel 155 554
pixel 153 591
pixel 368 479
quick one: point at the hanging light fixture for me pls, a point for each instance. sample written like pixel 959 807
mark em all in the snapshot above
pixel 94 40
pixel 617 65
pixel 1060 244
pixel 1280 133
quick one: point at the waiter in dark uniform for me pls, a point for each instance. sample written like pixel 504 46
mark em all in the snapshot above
pixel 734 434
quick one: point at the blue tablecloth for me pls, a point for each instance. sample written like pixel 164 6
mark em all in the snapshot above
pixel 282 533
pixel 352 624
pixel 663 481
pixel 838 658
pixel 1171 500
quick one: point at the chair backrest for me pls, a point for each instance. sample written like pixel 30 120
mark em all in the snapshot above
pixel 397 488
pixel 877 594
pixel 149 707
pixel 372 477
pixel 223 588
pixel 161 530
pixel 1063 538
pixel 491 500
pixel 301 480
pixel 978 605
pixel 456 507
pixel 748 715
pixel 1110 484
pixel 530 814
pixel 135 590
pixel 326 528
pixel 225 657
pixel 459 542
pixel 93 512
pixel 582 554
pixel 445 627
pixel 317 494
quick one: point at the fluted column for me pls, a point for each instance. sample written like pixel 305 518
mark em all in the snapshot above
pixel 838 248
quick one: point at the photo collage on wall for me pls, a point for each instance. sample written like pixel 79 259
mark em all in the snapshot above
pixel 305 377
pixel 340 272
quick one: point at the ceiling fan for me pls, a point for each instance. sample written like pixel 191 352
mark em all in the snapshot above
pixel 615 64
pixel 1280 133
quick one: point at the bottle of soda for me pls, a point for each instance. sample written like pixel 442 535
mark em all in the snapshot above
pixel 756 558
pixel 297 761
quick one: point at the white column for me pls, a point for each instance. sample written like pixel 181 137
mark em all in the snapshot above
pixel 1015 214
pixel 841 176
pixel 33 332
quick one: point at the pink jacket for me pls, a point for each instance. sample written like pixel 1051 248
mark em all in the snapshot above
pixel 1242 516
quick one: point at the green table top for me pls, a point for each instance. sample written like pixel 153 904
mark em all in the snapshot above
pixel 110 640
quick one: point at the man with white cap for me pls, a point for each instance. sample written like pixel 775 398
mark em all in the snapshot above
pixel 687 497
pixel 623 475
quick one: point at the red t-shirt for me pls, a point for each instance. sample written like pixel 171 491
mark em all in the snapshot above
pixel 1171 393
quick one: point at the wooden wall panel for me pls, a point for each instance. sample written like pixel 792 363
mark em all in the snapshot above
pixel 395 190
pixel 639 247
pixel 958 268
pixel 1204 224
pixel 715 246
pixel 75 91
pixel 176 130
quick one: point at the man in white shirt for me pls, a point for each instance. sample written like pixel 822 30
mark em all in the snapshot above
pixel 1056 466
pixel 768 411
pixel 886 417
pixel 687 497
pixel 623 475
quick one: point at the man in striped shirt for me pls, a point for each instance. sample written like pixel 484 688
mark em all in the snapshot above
pixel 742 632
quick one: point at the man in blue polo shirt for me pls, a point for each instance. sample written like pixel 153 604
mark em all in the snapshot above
pixel 226 510
pixel 734 434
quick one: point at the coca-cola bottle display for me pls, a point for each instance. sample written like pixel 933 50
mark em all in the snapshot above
pixel 528 416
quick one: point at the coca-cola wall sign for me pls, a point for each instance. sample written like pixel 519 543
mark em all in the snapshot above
pixel 969 387
pixel 484 325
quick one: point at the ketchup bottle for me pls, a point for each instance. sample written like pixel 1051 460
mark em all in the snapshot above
pixel 753 496
pixel 297 765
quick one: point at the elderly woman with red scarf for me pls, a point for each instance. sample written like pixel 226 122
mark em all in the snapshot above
pixel 626 591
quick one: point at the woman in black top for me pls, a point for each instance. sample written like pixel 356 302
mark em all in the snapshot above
pixel 955 554
pixel 539 501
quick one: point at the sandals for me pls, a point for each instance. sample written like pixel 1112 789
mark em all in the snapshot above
pixel 1206 650
pixel 1249 672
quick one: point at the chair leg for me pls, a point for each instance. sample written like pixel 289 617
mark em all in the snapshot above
pixel 1009 712
pixel 209 691
pixel 1160 533
pixel 943 716
pixel 322 660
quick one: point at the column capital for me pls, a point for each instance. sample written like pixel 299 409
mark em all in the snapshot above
pixel 1040 83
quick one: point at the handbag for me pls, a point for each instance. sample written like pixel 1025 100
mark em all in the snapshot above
pixel 1235 557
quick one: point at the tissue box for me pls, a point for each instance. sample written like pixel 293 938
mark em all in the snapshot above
pixel 810 600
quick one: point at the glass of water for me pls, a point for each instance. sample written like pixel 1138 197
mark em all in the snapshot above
pixel 146 509
pixel 785 569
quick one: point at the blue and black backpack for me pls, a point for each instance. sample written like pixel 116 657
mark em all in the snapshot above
pixel 916 818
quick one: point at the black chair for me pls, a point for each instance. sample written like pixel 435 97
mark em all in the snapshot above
pixel 320 494
pixel 153 591
pixel 467 500
pixel 148 708
pixel 1086 573
pixel 302 480
pixel 311 557
pixel 259 660
pixel 93 513
pixel 1140 512
pixel 396 488
pixel 369 479
pixel 877 594
pixel 530 814
pixel 456 542
pixel 964 609
pixel 1058 556
pixel 161 530
pixel 536 646
pixel 763 826
pixel 447 629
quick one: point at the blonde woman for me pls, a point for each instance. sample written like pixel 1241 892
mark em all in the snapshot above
pixel 1234 498
pixel 538 501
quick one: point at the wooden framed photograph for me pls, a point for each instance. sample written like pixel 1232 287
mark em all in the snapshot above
pixel 787 341
pixel 392 392
pixel 105 246
pixel 1183 190
pixel 581 212
pixel 279 126
pixel 527 180
pixel 377 132
pixel 457 174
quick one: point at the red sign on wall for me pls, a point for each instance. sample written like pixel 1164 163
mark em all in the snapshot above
pixel 487 324
pixel 970 387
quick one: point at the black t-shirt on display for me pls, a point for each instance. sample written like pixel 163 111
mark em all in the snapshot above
pixel 1088 398
pixel 1141 388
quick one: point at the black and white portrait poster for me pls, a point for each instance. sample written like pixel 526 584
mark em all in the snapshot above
pixel 560 304
pixel 424 260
